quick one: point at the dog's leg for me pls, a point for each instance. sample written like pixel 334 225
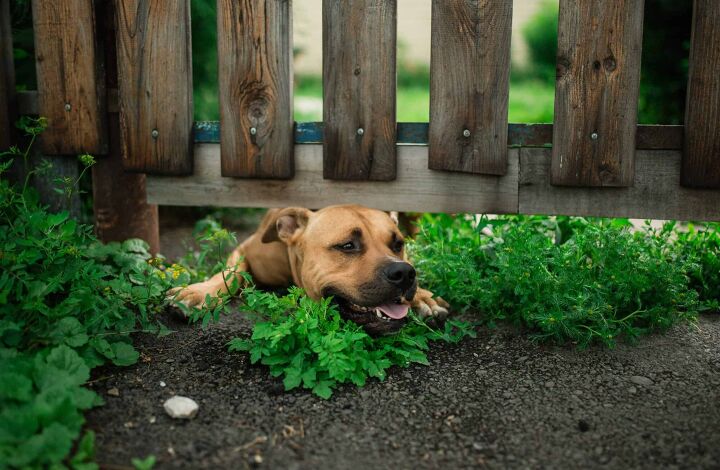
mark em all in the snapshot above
pixel 427 306
pixel 195 295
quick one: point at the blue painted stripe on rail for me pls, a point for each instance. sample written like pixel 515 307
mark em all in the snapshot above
pixel 312 132
pixel 407 133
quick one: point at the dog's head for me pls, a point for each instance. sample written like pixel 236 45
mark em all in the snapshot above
pixel 354 254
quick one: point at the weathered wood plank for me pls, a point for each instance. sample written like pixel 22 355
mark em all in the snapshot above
pixel 701 158
pixel 8 107
pixel 359 89
pixel 416 188
pixel 119 198
pixel 655 195
pixel 596 93
pixel 71 85
pixel 469 85
pixel 255 70
pixel 155 85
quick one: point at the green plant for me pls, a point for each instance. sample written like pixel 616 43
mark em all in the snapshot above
pixel 148 463
pixel 310 346
pixel 67 304
pixel 566 280
pixel 700 247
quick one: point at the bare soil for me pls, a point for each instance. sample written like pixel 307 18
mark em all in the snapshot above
pixel 497 401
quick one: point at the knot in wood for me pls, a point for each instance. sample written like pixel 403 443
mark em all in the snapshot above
pixel 562 67
pixel 610 64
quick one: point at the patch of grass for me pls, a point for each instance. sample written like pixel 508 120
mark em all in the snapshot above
pixel 567 280
pixel 530 101
pixel 310 346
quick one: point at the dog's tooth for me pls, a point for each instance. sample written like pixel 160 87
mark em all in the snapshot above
pixel 377 312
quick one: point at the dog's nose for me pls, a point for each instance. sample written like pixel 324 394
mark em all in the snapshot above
pixel 400 274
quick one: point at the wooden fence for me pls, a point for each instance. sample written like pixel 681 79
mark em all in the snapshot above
pixel 593 160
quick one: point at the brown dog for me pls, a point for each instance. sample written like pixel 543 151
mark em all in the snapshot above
pixel 352 253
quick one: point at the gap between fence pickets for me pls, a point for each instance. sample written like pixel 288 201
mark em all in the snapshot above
pixel 526 188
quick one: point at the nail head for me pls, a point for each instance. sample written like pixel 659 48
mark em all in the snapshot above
pixel 360 131
pixel 253 131
pixel 594 136
pixel 155 133
pixel 466 133
pixel 68 107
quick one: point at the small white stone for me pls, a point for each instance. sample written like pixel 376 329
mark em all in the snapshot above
pixel 181 407
pixel 162 384
pixel 640 380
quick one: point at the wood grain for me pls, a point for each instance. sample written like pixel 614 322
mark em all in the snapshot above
pixel 655 195
pixel 359 39
pixel 469 85
pixel 8 108
pixel 155 85
pixel 255 70
pixel 71 85
pixel 701 158
pixel 596 93
pixel 416 188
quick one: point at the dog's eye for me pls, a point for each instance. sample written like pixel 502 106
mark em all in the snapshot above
pixel 348 246
pixel 397 246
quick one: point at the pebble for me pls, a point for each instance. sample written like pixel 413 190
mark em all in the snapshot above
pixel 640 380
pixel 162 384
pixel 181 407
pixel 632 390
pixel 114 392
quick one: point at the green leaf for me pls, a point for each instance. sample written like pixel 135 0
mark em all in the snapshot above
pixel 57 219
pixel 70 331
pixel 15 386
pixel 124 354
pixel 63 367
pixel 144 464
pixel 323 389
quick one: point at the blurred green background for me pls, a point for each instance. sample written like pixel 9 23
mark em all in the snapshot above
pixel 664 66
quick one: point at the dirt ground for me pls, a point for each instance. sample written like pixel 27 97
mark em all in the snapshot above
pixel 497 401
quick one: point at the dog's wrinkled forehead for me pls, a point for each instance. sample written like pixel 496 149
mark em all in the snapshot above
pixel 333 224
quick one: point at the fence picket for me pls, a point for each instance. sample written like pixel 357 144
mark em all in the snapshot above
pixel 359 39
pixel 596 95
pixel 255 71
pixel 469 77
pixel 701 158
pixel 155 85
pixel 7 78
pixel 71 89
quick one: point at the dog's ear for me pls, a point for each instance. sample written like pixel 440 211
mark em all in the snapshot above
pixel 395 216
pixel 285 224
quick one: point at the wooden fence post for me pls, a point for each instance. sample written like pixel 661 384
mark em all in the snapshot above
pixel 359 39
pixel 119 198
pixel 469 85
pixel 596 93
pixel 255 72
pixel 71 86
pixel 154 59
pixel 7 79
pixel 701 157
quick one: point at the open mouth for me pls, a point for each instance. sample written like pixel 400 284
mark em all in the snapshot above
pixel 384 318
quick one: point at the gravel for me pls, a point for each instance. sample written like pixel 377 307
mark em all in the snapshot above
pixel 181 407
pixel 497 401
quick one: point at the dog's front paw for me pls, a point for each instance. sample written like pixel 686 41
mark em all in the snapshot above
pixel 428 307
pixel 192 296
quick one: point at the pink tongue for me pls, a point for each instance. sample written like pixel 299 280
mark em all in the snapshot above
pixel 394 311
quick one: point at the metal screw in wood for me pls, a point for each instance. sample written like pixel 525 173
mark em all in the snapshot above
pixel 360 131
pixel 68 107
pixel 253 131
pixel 594 136
pixel 466 133
pixel 154 133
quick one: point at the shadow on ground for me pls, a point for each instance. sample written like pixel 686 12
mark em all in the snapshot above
pixel 497 401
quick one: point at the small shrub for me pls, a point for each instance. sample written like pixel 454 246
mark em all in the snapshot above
pixel 310 346
pixel 566 280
